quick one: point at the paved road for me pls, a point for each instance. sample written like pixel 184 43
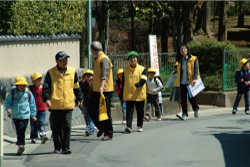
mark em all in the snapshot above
pixel 216 139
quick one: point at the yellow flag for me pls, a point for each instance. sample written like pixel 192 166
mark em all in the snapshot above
pixel 102 109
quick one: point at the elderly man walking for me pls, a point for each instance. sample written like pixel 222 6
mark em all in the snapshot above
pixel 102 83
pixel 60 85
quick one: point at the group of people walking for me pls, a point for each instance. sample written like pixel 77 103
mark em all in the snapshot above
pixel 61 91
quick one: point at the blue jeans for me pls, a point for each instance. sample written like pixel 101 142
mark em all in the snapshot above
pixel 38 126
pixel 238 97
pixel 21 126
pixel 91 126
pixel 124 109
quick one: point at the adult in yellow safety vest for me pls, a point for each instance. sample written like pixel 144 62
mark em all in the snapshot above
pixel 59 91
pixel 188 73
pixel 102 83
pixel 134 91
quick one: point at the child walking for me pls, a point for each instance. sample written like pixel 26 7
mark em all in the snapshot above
pixel 242 79
pixel 39 125
pixel 21 106
pixel 87 88
pixel 154 86
pixel 176 91
pixel 118 90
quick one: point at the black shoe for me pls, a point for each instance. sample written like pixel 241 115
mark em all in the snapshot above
pixel 66 152
pixel 56 151
pixel 99 134
pixel 106 138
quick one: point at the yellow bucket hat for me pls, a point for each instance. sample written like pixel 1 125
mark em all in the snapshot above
pixel 36 75
pixel 151 69
pixel 119 72
pixel 88 71
pixel 20 80
pixel 243 61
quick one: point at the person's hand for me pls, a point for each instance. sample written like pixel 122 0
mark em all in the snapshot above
pixel 9 113
pixel 153 91
pixel 48 103
pixel 101 89
pixel 194 82
pixel 246 83
pixel 147 90
pixel 79 103
pixel 33 119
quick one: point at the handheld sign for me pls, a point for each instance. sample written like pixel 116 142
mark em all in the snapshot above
pixel 193 90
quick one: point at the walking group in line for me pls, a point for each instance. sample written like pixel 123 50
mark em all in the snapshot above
pixel 62 91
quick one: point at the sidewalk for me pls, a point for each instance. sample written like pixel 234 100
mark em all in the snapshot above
pixel 11 159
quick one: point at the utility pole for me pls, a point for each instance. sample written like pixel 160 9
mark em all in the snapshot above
pixel 89 17
pixel 2 98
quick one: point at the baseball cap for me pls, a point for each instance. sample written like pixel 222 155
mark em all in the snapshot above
pixel 61 55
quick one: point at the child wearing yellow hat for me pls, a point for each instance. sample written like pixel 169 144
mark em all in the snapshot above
pixel 39 125
pixel 154 86
pixel 21 106
pixel 119 91
pixel 86 86
pixel 242 80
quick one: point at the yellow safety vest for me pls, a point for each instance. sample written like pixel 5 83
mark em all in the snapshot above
pixel 190 71
pixel 132 76
pixel 108 87
pixel 62 94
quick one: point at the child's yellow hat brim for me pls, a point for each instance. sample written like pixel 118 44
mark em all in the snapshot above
pixel 243 61
pixel 119 72
pixel 88 71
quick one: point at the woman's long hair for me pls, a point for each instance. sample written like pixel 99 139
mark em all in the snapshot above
pixel 179 55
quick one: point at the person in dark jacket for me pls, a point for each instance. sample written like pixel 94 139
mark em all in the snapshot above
pixel 59 91
pixel 118 90
pixel 243 82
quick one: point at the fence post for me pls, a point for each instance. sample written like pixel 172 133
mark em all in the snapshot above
pixel 223 70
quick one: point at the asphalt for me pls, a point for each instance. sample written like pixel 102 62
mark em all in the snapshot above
pixel 91 151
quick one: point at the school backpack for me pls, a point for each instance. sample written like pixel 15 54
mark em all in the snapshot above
pixel 13 93
pixel 159 79
pixel 241 74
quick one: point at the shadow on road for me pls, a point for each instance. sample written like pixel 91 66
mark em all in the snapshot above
pixel 236 148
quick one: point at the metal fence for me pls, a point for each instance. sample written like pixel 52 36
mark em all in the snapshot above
pixel 166 61
pixel 231 60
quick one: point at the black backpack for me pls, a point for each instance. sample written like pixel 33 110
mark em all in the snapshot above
pixel 159 79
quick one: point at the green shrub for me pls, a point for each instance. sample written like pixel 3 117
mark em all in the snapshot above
pixel 212 82
pixel 42 17
pixel 209 54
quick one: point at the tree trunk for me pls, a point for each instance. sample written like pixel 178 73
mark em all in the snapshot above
pixel 191 22
pixel 222 32
pixel 208 18
pixel 173 34
pixel 241 15
pixel 200 20
pixel 178 24
pixel 164 34
pixel 186 25
pixel 106 38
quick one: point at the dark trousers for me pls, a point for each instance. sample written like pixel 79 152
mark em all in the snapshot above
pixel 153 100
pixel 106 125
pixel 61 129
pixel 21 126
pixel 184 92
pixel 139 106
pixel 238 97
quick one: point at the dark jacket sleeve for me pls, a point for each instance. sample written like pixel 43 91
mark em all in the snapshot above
pixel 142 81
pixel 46 88
pixel 196 69
pixel 77 91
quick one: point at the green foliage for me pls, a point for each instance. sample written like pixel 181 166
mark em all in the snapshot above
pixel 209 53
pixel 43 17
pixel 212 82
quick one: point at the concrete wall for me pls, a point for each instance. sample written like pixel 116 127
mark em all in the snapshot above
pixel 25 57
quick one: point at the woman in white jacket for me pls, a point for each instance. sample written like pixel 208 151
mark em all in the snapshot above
pixel 176 92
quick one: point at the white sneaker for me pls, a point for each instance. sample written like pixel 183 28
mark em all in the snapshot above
pixel 140 129
pixel 179 115
pixel 184 117
pixel 20 150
